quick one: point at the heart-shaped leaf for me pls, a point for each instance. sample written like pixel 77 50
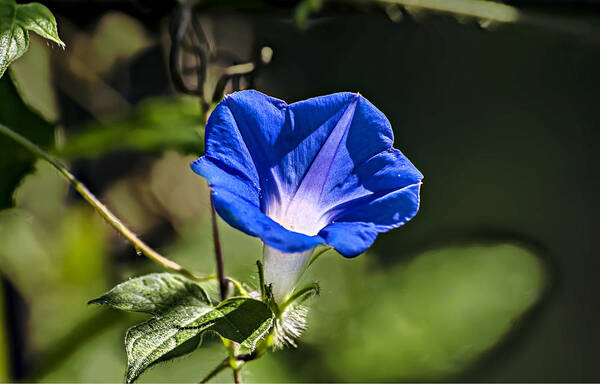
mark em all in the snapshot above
pixel 155 294
pixel 183 312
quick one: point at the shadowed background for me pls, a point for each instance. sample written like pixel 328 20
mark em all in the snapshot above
pixel 493 280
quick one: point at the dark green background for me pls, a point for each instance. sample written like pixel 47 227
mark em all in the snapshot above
pixel 503 123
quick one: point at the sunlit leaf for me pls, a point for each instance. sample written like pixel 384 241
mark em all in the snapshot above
pixel 156 294
pixel 183 312
pixel 16 20
pixel 148 342
pixel 236 319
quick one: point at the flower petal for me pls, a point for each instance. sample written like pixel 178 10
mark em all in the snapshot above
pixel 384 210
pixel 247 217
pixel 366 163
pixel 361 222
pixel 221 177
pixel 283 270
pixel 303 166
pixel 284 140
pixel 349 239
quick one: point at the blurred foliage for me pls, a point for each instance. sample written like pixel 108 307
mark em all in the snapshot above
pixel 66 246
pixel 427 315
pixel 154 125
pixel 16 161
pixel 5 360
pixel 433 316
pixel 33 75
pixel 126 37
pixel 426 318
pixel 304 9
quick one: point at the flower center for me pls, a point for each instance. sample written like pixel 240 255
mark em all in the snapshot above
pixel 302 212
pixel 300 215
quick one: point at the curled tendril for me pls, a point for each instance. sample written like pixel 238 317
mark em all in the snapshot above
pixel 188 38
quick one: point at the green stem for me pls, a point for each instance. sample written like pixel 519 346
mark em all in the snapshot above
pixel 238 285
pixel 236 366
pixel 98 206
pixel 237 376
pixel 261 280
pixel 309 289
pixel 224 364
pixel 218 251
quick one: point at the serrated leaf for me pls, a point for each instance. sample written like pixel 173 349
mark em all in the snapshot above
pixel 155 294
pixel 14 42
pixel 16 20
pixel 148 342
pixel 182 311
pixel 237 319
pixel 249 345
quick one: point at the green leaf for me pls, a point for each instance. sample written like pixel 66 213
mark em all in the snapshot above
pixel 37 18
pixel 238 319
pixel 187 347
pixel 147 343
pixel 183 312
pixel 155 294
pixel 154 125
pixel 16 20
pixel 16 161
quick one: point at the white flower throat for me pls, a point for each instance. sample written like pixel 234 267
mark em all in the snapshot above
pixel 302 211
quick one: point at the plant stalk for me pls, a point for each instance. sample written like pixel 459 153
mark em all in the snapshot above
pixel 224 364
pixel 237 376
pixel 139 245
pixel 223 283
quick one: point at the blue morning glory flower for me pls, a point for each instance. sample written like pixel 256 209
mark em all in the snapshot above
pixel 319 171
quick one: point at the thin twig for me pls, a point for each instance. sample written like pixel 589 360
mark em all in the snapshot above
pixel 223 283
pixel 224 364
pixel 232 72
pixel 261 280
pixel 227 363
pixel 139 245
pixel 237 377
